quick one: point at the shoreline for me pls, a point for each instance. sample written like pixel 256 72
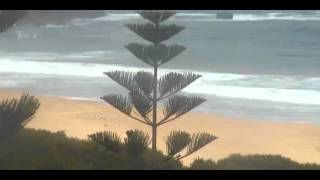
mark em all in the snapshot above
pixel 79 118
pixel 99 101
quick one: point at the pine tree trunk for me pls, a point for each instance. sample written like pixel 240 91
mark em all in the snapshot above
pixel 155 87
pixel 154 118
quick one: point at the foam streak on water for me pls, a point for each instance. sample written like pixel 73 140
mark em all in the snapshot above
pixel 296 90
pixel 295 16
pixel 69 60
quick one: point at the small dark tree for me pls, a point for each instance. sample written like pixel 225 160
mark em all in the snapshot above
pixel 145 89
pixel 15 113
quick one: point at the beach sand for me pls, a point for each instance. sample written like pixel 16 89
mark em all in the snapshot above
pixel 300 142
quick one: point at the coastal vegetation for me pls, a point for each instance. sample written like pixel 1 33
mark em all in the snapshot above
pixel 32 149
pixel 36 149
pixel 15 113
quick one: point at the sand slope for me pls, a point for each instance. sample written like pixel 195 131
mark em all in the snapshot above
pixel 301 142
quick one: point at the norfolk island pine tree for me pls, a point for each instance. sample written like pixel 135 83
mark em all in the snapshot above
pixel 146 90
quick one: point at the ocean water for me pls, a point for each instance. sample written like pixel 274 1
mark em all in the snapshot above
pixel 262 65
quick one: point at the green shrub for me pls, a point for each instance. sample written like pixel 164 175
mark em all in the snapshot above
pixel 109 140
pixel 39 149
pixel 136 142
pixel 160 162
pixel 201 164
pixel 33 149
pixel 252 162
pixel 134 149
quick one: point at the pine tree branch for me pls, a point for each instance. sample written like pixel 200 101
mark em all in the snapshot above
pixel 135 118
pixel 176 141
pixel 142 105
pixel 142 121
pixel 184 156
pixel 156 16
pixel 198 141
pixel 154 34
pixel 174 82
pixel 166 120
pixel 179 105
pixel 144 80
pixel 145 118
pixel 122 104
pixel 155 54
pixel 148 120
pixel 135 112
pixel 168 95
pixel 132 81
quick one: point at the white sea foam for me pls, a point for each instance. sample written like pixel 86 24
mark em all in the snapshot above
pixel 296 96
pixel 224 85
pixel 57 68
pixel 212 16
pixel 118 17
pixel 93 99
pixel 276 16
pixel 53 56
pixel 56 26
pixel 315 16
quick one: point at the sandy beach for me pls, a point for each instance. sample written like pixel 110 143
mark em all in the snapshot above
pixel 300 142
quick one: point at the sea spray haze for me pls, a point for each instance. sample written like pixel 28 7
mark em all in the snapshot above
pixel 262 64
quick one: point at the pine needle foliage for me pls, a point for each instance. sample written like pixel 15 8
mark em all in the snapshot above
pixel 146 89
pixel 155 55
pixel 177 141
pixel 136 141
pixel 15 113
pixel 148 31
pixel 155 16
pixel 110 140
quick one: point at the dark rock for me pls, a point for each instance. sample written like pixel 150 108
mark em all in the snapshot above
pixel 224 15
